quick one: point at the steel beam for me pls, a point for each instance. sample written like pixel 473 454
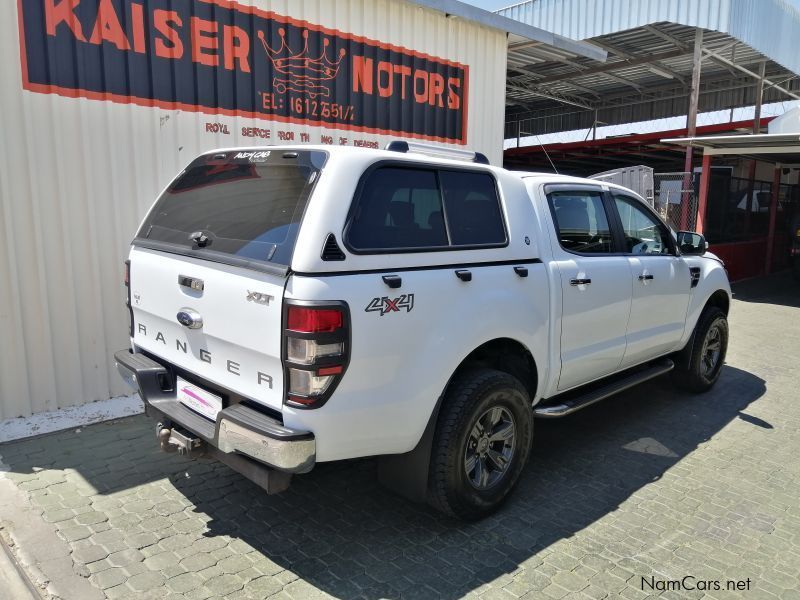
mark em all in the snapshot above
pixel 691 122
pixel 579 102
pixel 751 171
pixel 667 37
pixel 656 66
pixel 746 71
pixel 615 66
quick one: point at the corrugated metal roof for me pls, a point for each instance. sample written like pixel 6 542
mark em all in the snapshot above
pixel 650 54
pixel 768 26
pixel 520 30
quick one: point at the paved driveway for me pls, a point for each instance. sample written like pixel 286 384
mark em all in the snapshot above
pixel 619 500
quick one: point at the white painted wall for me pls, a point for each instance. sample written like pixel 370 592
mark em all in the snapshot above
pixel 77 175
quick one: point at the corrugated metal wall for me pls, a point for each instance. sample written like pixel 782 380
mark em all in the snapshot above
pixel 765 25
pixel 77 175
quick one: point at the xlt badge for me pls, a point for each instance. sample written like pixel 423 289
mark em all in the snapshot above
pixel 259 298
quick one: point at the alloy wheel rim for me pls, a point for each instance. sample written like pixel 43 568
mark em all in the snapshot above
pixel 490 448
pixel 712 349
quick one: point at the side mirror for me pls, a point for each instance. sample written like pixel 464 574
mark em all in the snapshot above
pixel 691 243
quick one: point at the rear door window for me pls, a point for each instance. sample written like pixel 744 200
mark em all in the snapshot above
pixel 411 209
pixel 246 205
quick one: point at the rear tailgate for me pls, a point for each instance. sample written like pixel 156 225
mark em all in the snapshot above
pixel 239 344
pixel 209 265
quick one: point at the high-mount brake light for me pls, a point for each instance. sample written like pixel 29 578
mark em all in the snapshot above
pixel 304 319
pixel 316 351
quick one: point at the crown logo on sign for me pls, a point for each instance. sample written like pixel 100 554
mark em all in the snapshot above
pixel 300 72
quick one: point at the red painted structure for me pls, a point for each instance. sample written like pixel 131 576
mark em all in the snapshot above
pixel 594 156
pixel 743 259
pixel 752 257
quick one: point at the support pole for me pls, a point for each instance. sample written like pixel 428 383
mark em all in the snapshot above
pixel 702 202
pixel 773 215
pixel 691 124
pixel 751 174
pixel 759 97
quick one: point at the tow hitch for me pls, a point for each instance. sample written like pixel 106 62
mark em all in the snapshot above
pixel 172 440
pixel 189 445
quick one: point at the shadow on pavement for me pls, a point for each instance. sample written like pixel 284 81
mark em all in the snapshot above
pixel 337 529
pixel 779 288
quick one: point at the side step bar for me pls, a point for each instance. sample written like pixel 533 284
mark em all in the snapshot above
pixel 562 408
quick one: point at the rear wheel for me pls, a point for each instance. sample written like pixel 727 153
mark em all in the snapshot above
pixel 699 367
pixel 482 442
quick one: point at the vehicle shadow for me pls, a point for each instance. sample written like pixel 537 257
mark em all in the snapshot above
pixel 779 288
pixel 342 533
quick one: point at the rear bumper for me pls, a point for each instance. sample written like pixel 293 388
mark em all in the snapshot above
pixel 238 429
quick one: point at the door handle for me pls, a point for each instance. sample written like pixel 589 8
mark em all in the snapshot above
pixel 646 277
pixel 521 271
pixel 580 281
pixel 393 281
pixel 464 275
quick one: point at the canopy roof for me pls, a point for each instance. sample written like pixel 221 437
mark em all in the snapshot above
pixel 782 148
pixel 525 39
pixel 648 73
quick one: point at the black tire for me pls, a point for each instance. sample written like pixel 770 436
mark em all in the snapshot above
pixel 479 394
pixel 698 367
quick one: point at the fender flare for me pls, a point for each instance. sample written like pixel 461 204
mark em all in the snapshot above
pixel 407 474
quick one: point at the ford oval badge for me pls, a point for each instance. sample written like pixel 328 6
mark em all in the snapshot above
pixel 189 318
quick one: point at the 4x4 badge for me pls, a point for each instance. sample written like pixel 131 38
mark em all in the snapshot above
pixel 386 305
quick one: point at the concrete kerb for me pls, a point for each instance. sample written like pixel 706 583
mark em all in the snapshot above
pixel 37 551
pixel 12 579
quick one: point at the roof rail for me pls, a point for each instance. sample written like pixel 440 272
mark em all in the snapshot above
pixel 430 149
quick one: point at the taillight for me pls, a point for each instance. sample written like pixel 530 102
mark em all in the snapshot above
pixel 316 351
pixel 128 299
pixel 304 319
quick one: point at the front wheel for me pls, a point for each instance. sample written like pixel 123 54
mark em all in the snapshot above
pixel 700 366
pixel 482 442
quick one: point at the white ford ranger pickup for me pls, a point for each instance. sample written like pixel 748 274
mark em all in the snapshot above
pixel 303 304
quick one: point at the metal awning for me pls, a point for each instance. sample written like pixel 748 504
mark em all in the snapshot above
pixel 783 148
pixel 525 42
pixel 747 51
